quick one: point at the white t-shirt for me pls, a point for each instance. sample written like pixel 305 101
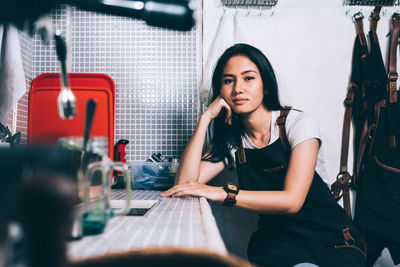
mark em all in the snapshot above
pixel 299 127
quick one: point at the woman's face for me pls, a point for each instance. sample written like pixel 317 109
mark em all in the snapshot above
pixel 241 85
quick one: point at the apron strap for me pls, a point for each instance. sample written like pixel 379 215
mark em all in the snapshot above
pixel 341 187
pixel 392 75
pixel 374 18
pixel 358 21
pixel 281 125
pixel 241 154
pixel 282 135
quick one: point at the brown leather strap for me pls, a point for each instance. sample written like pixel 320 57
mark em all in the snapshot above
pixel 341 182
pixel 349 240
pixel 341 187
pixel 348 107
pixel 281 120
pixel 358 20
pixel 281 125
pixel 392 74
pixel 373 22
pixel 241 154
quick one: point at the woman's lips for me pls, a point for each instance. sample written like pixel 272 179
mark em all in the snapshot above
pixel 239 101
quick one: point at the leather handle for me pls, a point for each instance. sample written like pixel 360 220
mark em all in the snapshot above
pixel 392 74
pixel 348 103
pixel 358 21
pixel 373 22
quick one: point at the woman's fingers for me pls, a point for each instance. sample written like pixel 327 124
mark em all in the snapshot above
pixel 223 104
pixel 175 189
pixel 167 193
pixel 186 189
pixel 172 190
pixel 228 118
pixel 196 189
pixel 215 109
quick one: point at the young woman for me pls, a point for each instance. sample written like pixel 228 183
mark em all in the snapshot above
pixel 275 152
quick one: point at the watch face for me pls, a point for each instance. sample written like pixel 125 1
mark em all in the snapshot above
pixel 232 191
pixel 232 187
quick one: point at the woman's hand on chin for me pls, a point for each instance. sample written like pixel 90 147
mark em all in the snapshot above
pixel 213 193
pixel 215 108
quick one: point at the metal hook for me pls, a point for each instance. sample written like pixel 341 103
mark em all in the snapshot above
pixel 383 12
pixel 396 7
pixel 260 11
pixel 358 16
pixel 272 10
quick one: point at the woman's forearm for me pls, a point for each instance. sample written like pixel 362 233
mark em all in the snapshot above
pixel 269 202
pixel 298 180
pixel 189 167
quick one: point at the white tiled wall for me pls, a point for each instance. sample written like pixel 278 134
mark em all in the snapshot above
pixel 154 71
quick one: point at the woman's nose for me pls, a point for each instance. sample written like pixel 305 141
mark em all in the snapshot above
pixel 238 89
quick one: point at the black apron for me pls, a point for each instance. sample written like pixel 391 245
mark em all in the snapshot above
pixel 316 234
pixel 377 208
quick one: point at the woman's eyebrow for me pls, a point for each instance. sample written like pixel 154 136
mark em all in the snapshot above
pixel 247 71
pixel 244 72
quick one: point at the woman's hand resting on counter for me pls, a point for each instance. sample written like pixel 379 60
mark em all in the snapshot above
pixel 213 193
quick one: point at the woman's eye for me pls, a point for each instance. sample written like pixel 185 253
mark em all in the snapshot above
pixel 227 81
pixel 248 78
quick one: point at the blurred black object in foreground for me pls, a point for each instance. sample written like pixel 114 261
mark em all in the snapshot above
pixel 172 14
pixel 44 209
pixel 38 192
pixel 24 163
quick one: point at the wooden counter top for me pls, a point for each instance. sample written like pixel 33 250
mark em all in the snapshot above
pixel 173 222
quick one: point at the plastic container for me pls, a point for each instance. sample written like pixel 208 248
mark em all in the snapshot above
pixel 152 175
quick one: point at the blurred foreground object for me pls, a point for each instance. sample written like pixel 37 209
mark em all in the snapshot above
pixel 44 210
pixel 168 256
pixel 171 14
pixel 37 195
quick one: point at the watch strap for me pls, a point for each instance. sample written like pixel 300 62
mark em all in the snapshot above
pixel 231 190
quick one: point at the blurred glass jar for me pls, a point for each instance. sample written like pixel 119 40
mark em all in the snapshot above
pixel 94 182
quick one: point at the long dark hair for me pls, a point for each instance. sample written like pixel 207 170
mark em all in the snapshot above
pixel 225 137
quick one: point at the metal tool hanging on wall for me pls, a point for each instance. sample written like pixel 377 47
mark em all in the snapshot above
pixel 66 99
pixel 365 6
pixel 370 2
pixel 250 4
